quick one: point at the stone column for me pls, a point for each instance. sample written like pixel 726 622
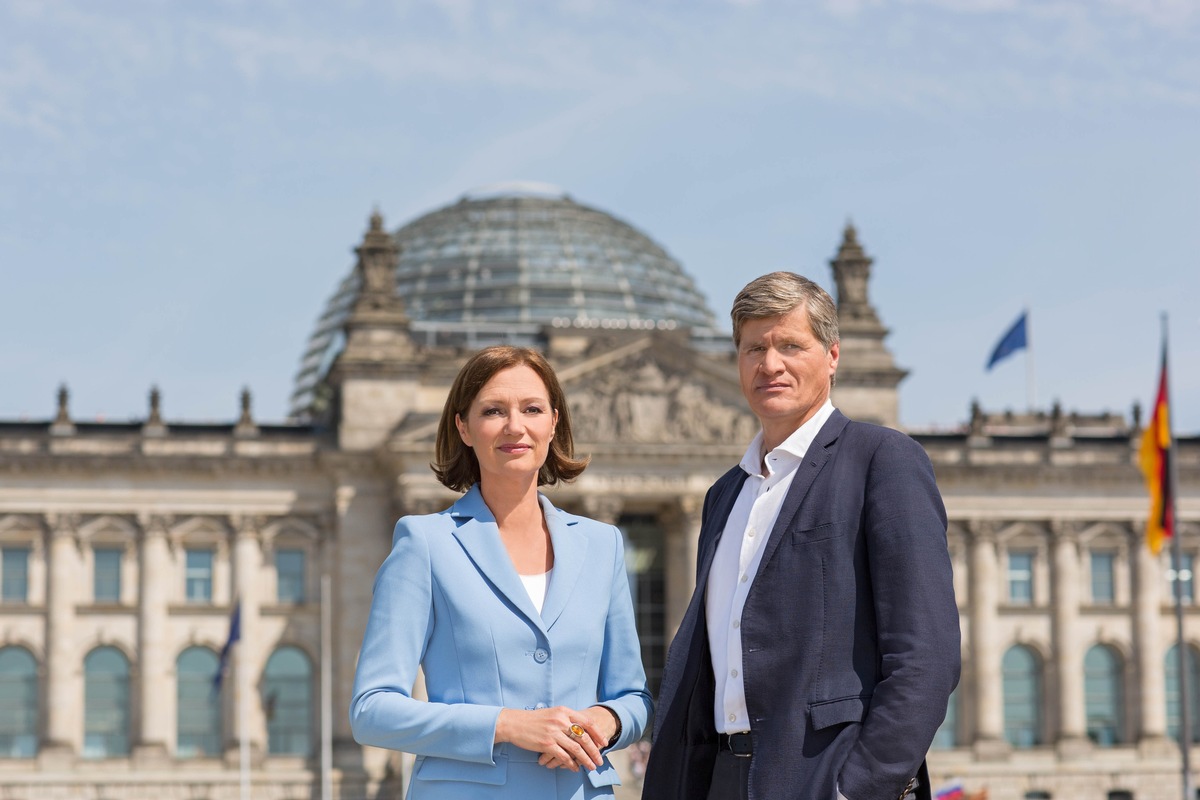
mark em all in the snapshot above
pixel 64 694
pixel 1151 682
pixel 987 691
pixel 154 685
pixel 248 657
pixel 360 541
pixel 1072 742
pixel 682 545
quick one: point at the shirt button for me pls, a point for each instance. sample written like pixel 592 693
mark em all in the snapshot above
pixel 750 533
pixel 540 655
pixel 737 623
pixel 733 673
pixel 732 717
pixel 743 579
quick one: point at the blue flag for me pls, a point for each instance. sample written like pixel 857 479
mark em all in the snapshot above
pixel 1016 338
pixel 235 633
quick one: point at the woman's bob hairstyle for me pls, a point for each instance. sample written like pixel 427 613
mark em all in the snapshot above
pixel 455 464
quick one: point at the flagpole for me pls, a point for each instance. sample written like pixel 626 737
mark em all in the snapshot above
pixel 244 721
pixel 1182 653
pixel 326 691
pixel 1030 376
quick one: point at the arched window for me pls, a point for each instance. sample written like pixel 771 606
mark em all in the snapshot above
pixel 1171 667
pixel 947 735
pixel 287 700
pixel 18 703
pixel 1022 697
pixel 1103 695
pixel 105 704
pixel 197 711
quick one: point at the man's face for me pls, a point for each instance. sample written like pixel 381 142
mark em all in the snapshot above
pixel 785 372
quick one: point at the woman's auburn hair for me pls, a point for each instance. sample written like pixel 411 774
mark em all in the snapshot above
pixel 455 463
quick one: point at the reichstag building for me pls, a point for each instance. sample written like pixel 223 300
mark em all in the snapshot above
pixel 124 545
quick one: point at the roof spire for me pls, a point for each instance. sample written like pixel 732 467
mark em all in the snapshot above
pixel 62 425
pixel 153 426
pixel 245 424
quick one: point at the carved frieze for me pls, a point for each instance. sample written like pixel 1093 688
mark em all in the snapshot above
pixel 643 401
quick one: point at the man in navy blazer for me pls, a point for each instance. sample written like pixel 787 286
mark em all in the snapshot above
pixel 821 645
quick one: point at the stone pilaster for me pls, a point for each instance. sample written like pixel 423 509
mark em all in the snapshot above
pixel 1151 683
pixel 64 694
pixel 154 685
pixel 248 661
pixel 1072 742
pixel 987 688
pixel 682 544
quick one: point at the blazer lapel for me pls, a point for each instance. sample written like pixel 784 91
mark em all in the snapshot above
pixel 479 536
pixel 818 455
pixel 714 524
pixel 570 555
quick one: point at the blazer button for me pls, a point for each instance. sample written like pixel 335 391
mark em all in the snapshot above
pixel 540 655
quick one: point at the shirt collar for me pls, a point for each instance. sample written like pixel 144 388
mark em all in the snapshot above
pixel 792 449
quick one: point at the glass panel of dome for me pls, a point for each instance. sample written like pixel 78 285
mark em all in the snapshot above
pixel 551 298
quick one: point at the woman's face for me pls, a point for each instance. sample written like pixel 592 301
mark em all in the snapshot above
pixel 510 424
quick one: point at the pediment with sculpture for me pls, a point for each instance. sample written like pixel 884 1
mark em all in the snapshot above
pixel 646 398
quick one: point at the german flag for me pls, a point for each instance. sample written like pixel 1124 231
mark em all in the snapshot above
pixel 1154 458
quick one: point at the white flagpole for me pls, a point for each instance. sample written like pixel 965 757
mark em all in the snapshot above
pixel 1182 648
pixel 244 720
pixel 1030 375
pixel 326 691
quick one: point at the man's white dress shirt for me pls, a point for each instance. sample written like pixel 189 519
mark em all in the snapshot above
pixel 737 558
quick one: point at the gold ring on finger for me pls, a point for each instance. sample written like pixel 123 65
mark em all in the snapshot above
pixel 576 730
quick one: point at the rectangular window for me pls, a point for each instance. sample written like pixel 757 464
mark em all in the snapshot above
pixel 106 575
pixel 289 576
pixel 198 577
pixel 1103 592
pixel 1020 578
pixel 1186 580
pixel 14 574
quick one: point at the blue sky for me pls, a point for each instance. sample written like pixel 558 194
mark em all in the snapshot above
pixel 181 184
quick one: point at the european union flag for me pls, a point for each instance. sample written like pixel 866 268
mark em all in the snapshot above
pixel 1015 339
pixel 235 633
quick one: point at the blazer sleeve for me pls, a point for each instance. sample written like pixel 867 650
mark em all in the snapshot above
pixel 622 678
pixel 383 712
pixel 916 617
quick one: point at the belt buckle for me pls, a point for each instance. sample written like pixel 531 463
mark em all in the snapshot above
pixel 736 754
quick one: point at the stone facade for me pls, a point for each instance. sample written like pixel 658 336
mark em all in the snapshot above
pixel 662 418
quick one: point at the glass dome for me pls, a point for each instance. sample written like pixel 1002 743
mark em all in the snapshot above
pixel 503 262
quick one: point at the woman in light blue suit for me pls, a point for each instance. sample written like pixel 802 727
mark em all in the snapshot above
pixel 519 613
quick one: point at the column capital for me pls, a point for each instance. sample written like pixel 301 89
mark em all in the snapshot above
pixel 1066 529
pixel 62 525
pixel 155 525
pixel 982 531
pixel 247 526
pixel 604 508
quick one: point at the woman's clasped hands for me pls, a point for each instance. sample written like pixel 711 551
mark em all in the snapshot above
pixel 565 737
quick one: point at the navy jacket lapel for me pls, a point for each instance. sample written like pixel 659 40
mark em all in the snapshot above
pixel 479 536
pixel 818 455
pixel 714 522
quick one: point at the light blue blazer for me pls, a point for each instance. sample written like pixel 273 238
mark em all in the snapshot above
pixel 449 599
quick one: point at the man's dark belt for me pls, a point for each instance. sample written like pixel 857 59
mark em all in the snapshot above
pixel 739 744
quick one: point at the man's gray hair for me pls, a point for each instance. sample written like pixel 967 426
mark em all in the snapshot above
pixel 779 293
